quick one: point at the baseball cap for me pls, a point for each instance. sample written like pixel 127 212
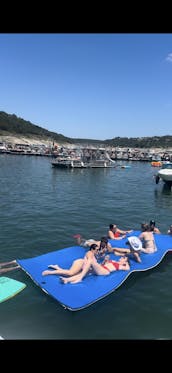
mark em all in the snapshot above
pixel 135 243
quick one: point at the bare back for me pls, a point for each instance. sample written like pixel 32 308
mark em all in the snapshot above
pixel 148 241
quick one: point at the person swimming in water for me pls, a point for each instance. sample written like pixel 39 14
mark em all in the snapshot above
pixel 153 228
pixel 114 233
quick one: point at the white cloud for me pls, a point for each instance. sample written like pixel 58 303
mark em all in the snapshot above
pixel 169 57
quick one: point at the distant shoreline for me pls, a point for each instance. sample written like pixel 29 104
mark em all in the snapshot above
pixel 22 145
pixel 49 142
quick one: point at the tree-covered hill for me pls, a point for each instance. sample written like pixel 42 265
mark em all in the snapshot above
pixel 13 125
pixel 10 124
pixel 131 142
pixel 141 142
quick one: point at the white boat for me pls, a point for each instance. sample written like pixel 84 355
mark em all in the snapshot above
pixel 79 162
pixel 165 174
pixel 68 163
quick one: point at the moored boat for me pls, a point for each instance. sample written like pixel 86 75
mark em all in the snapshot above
pixel 165 174
pixel 78 163
pixel 156 164
pixel 68 163
pixel 104 161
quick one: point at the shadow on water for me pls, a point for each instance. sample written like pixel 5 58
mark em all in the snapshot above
pixel 140 276
pixel 162 197
pixel 166 190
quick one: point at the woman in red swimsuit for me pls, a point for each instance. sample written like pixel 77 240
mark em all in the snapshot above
pixel 114 233
pixel 103 269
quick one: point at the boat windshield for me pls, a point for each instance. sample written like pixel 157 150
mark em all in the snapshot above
pixel 167 166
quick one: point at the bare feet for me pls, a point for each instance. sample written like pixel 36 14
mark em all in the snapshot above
pixel 3 270
pixel 75 279
pixel 7 263
pixel 45 273
pixel 54 266
pixel 64 280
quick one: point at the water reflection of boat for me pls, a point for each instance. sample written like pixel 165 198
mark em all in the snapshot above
pixel 165 174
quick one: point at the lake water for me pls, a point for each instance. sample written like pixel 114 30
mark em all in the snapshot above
pixel 42 208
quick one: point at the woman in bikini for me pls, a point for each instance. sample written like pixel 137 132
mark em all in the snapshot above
pixel 96 249
pixel 147 239
pixel 103 269
pixel 76 267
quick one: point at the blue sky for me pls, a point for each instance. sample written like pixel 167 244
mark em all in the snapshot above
pixel 95 86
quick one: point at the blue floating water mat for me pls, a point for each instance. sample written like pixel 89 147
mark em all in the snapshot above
pixel 92 288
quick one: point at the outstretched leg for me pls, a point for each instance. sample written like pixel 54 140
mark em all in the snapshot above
pixel 7 263
pixel 3 270
pixel 119 251
pixel 79 276
pixel 82 241
pixel 73 270
pixel 98 269
pixel 72 279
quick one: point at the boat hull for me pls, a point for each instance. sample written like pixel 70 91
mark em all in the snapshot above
pixel 80 164
pixel 165 175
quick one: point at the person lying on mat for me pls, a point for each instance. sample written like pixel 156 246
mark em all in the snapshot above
pixel 77 266
pixel 114 233
pixel 147 238
pixel 103 244
pixel 87 243
pixel 103 269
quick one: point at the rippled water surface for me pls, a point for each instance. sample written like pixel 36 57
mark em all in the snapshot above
pixel 42 208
